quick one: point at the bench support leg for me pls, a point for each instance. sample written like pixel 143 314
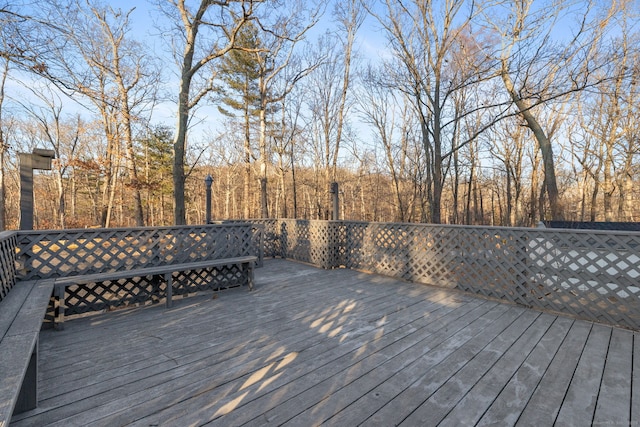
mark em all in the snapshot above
pixel 59 307
pixel 28 397
pixel 250 275
pixel 168 278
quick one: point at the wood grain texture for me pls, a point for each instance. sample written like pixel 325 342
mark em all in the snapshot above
pixel 333 347
pixel 21 314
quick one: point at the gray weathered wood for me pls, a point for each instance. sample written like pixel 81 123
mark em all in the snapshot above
pixel 587 274
pixel 458 390
pixel 404 391
pixel 614 398
pixel 312 346
pixel 514 397
pixel 8 245
pixel 244 263
pixel 21 315
pixel 15 354
pixel 580 401
pixel 545 403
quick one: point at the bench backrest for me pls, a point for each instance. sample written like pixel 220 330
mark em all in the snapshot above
pixel 58 253
pixel 8 245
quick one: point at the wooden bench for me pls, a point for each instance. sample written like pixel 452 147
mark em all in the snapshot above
pixel 162 272
pixel 21 314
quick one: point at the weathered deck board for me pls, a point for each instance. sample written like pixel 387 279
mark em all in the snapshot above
pixel 546 400
pixel 335 347
pixel 614 399
pixel 513 398
pixel 580 401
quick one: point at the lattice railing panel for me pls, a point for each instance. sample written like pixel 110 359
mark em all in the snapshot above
pixel 265 240
pixel 589 274
pixel 314 242
pixel 112 294
pixel 8 245
pixel 209 279
pixel 56 253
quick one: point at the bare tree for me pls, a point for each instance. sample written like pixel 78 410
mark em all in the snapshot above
pixel 203 33
pixel 135 84
pixel 509 148
pixel 4 72
pixel 283 33
pixel 95 57
pixel 605 137
pixel 435 56
pixel 329 100
pixel 537 70
pixel 59 133
pixel 393 121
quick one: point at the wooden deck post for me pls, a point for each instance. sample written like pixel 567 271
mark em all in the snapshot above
pixel 336 202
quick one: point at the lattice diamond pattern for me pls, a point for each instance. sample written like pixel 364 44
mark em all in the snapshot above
pixel 55 253
pixel 110 294
pixel 208 279
pixel 58 253
pixel 590 274
pixel 594 275
pixel 8 245
pixel 141 290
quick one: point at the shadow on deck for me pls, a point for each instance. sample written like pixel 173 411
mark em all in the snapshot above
pixel 338 347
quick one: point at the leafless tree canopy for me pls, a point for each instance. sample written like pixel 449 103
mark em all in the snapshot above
pixel 456 111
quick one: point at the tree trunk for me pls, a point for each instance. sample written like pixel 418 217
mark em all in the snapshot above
pixel 3 224
pixel 61 204
pixel 3 148
pixel 132 167
pixel 179 147
pixel 544 145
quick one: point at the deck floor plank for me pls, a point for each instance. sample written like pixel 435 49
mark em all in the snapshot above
pixel 335 347
pixel 315 399
pixel 198 343
pixel 342 399
pixel 513 398
pixel 614 398
pixel 404 391
pixel 546 400
pixel 579 403
pixel 197 364
pixel 317 365
pixel 513 342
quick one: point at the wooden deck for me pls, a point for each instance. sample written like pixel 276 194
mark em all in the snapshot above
pixel 338 347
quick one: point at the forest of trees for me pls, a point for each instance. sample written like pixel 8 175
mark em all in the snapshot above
pixel 494 112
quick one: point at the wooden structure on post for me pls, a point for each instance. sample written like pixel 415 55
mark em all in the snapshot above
pixel 39 159
pixel 335 198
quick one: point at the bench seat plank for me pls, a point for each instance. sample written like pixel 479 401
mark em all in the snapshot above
pixel 21 319
pixel 12 303
pixel 29 318
pixel 15 354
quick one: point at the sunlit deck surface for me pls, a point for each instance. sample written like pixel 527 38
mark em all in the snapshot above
pixel 338 347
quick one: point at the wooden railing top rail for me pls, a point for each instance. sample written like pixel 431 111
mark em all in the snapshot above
pixel 275 221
